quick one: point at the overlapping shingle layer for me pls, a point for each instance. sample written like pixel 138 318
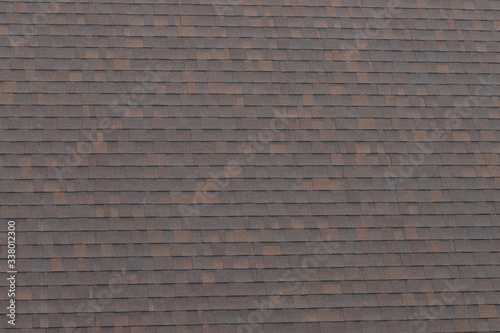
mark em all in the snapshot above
pixel 252 166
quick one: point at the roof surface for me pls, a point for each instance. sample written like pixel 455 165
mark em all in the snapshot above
pixel 252 166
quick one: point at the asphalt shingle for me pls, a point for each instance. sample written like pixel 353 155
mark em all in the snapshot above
pixel 230 166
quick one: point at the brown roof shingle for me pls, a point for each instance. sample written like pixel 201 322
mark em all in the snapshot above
pixel 314 166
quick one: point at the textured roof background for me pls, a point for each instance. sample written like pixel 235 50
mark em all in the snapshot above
pixel 252 166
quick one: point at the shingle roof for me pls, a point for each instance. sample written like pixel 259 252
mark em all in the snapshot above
pixel 252 166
